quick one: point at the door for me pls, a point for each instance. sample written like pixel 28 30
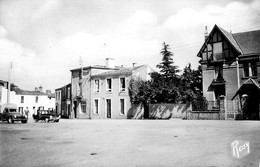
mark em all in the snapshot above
pixel 108 101
pixel 75 109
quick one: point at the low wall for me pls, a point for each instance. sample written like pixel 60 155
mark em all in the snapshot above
pixel 135 112
pixel 168 111
pixel 203 115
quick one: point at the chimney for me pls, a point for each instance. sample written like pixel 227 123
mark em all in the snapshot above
pixel 206 33
pixel 40 88
pixel 36 89
pixel 134 64
pixel 110 63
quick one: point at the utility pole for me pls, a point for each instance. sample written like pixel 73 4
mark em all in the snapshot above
pixel 9 85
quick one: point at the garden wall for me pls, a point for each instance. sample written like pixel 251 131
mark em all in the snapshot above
pixel 168 111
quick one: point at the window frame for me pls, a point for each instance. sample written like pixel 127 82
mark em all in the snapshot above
pixel 109 90
pixel 96 108
pixel 120 106
pixel 97 90
pixel 121 89
pixel 22 99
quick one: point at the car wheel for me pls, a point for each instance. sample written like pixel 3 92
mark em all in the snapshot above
pixel 10 120
pixel 24 122
pixel 46 120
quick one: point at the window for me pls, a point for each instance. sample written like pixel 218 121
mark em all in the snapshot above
pixel 68 93
pixel 122 106
pixel 109 85
pixel 217 47
pixel 250 69
pixel 219 71
pixel 22 99
pixel 36 99
pixel 96 106
pixel 96 85
pixel 84 106
pixel 122 85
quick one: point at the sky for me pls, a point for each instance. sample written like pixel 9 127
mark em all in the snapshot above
pixel 44 39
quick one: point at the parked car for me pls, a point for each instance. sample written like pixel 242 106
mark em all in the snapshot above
pixel 9 112
pixel 46 115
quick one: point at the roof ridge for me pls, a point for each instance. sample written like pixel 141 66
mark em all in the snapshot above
pixel 245 32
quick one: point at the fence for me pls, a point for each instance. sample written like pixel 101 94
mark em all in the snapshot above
pixel 206 106
pixel 223 109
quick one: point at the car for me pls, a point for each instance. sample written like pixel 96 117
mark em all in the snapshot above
pixel 9 112
pixel 46 115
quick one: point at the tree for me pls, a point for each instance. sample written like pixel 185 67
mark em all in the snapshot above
pixel 190 84
pixel 165 83
pixel 166 66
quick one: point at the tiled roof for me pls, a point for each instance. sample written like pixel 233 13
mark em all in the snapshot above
pixel 28 92
pixel 249 42
pixel 123 71
pixel 230 38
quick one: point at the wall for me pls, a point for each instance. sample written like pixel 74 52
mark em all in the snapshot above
pixel 167 111
pixel 208 76
pixel 3 95
pixel 29 101
pixel 203 115
pixel 115 97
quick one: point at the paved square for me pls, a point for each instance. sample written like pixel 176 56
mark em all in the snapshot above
pixel 128 143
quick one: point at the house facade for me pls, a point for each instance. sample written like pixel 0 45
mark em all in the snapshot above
pixel 101 91
pixel 33 100
pixel 109 92
pixel 229 62
pixel 63 101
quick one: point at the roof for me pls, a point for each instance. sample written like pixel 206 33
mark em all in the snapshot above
pixel 28 92
pixel 249 42
pixel 122 71
pixel 95 67
pixel 244 43
pixel 68 85
pixel 230 39
pixel 243 87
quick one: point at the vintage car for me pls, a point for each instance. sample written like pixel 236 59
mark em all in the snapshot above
pixel 9 112
pixel 46 115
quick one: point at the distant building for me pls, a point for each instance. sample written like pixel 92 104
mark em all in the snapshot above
pixel 33 99
pixel 102 91
pixel 4 93
pixel 63 101
pixel 231 68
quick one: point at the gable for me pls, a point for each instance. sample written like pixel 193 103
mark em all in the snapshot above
pixel 219 45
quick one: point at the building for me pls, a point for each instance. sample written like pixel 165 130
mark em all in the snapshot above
pixel 33 99
pixel 63 101
pixel 231 68
pixel 101 91
pixel 4 93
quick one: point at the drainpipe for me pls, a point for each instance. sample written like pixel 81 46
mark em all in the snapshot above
pixel 238 85
pixel 238 78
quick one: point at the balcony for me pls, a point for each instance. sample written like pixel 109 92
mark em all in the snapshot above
pixel 218 81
